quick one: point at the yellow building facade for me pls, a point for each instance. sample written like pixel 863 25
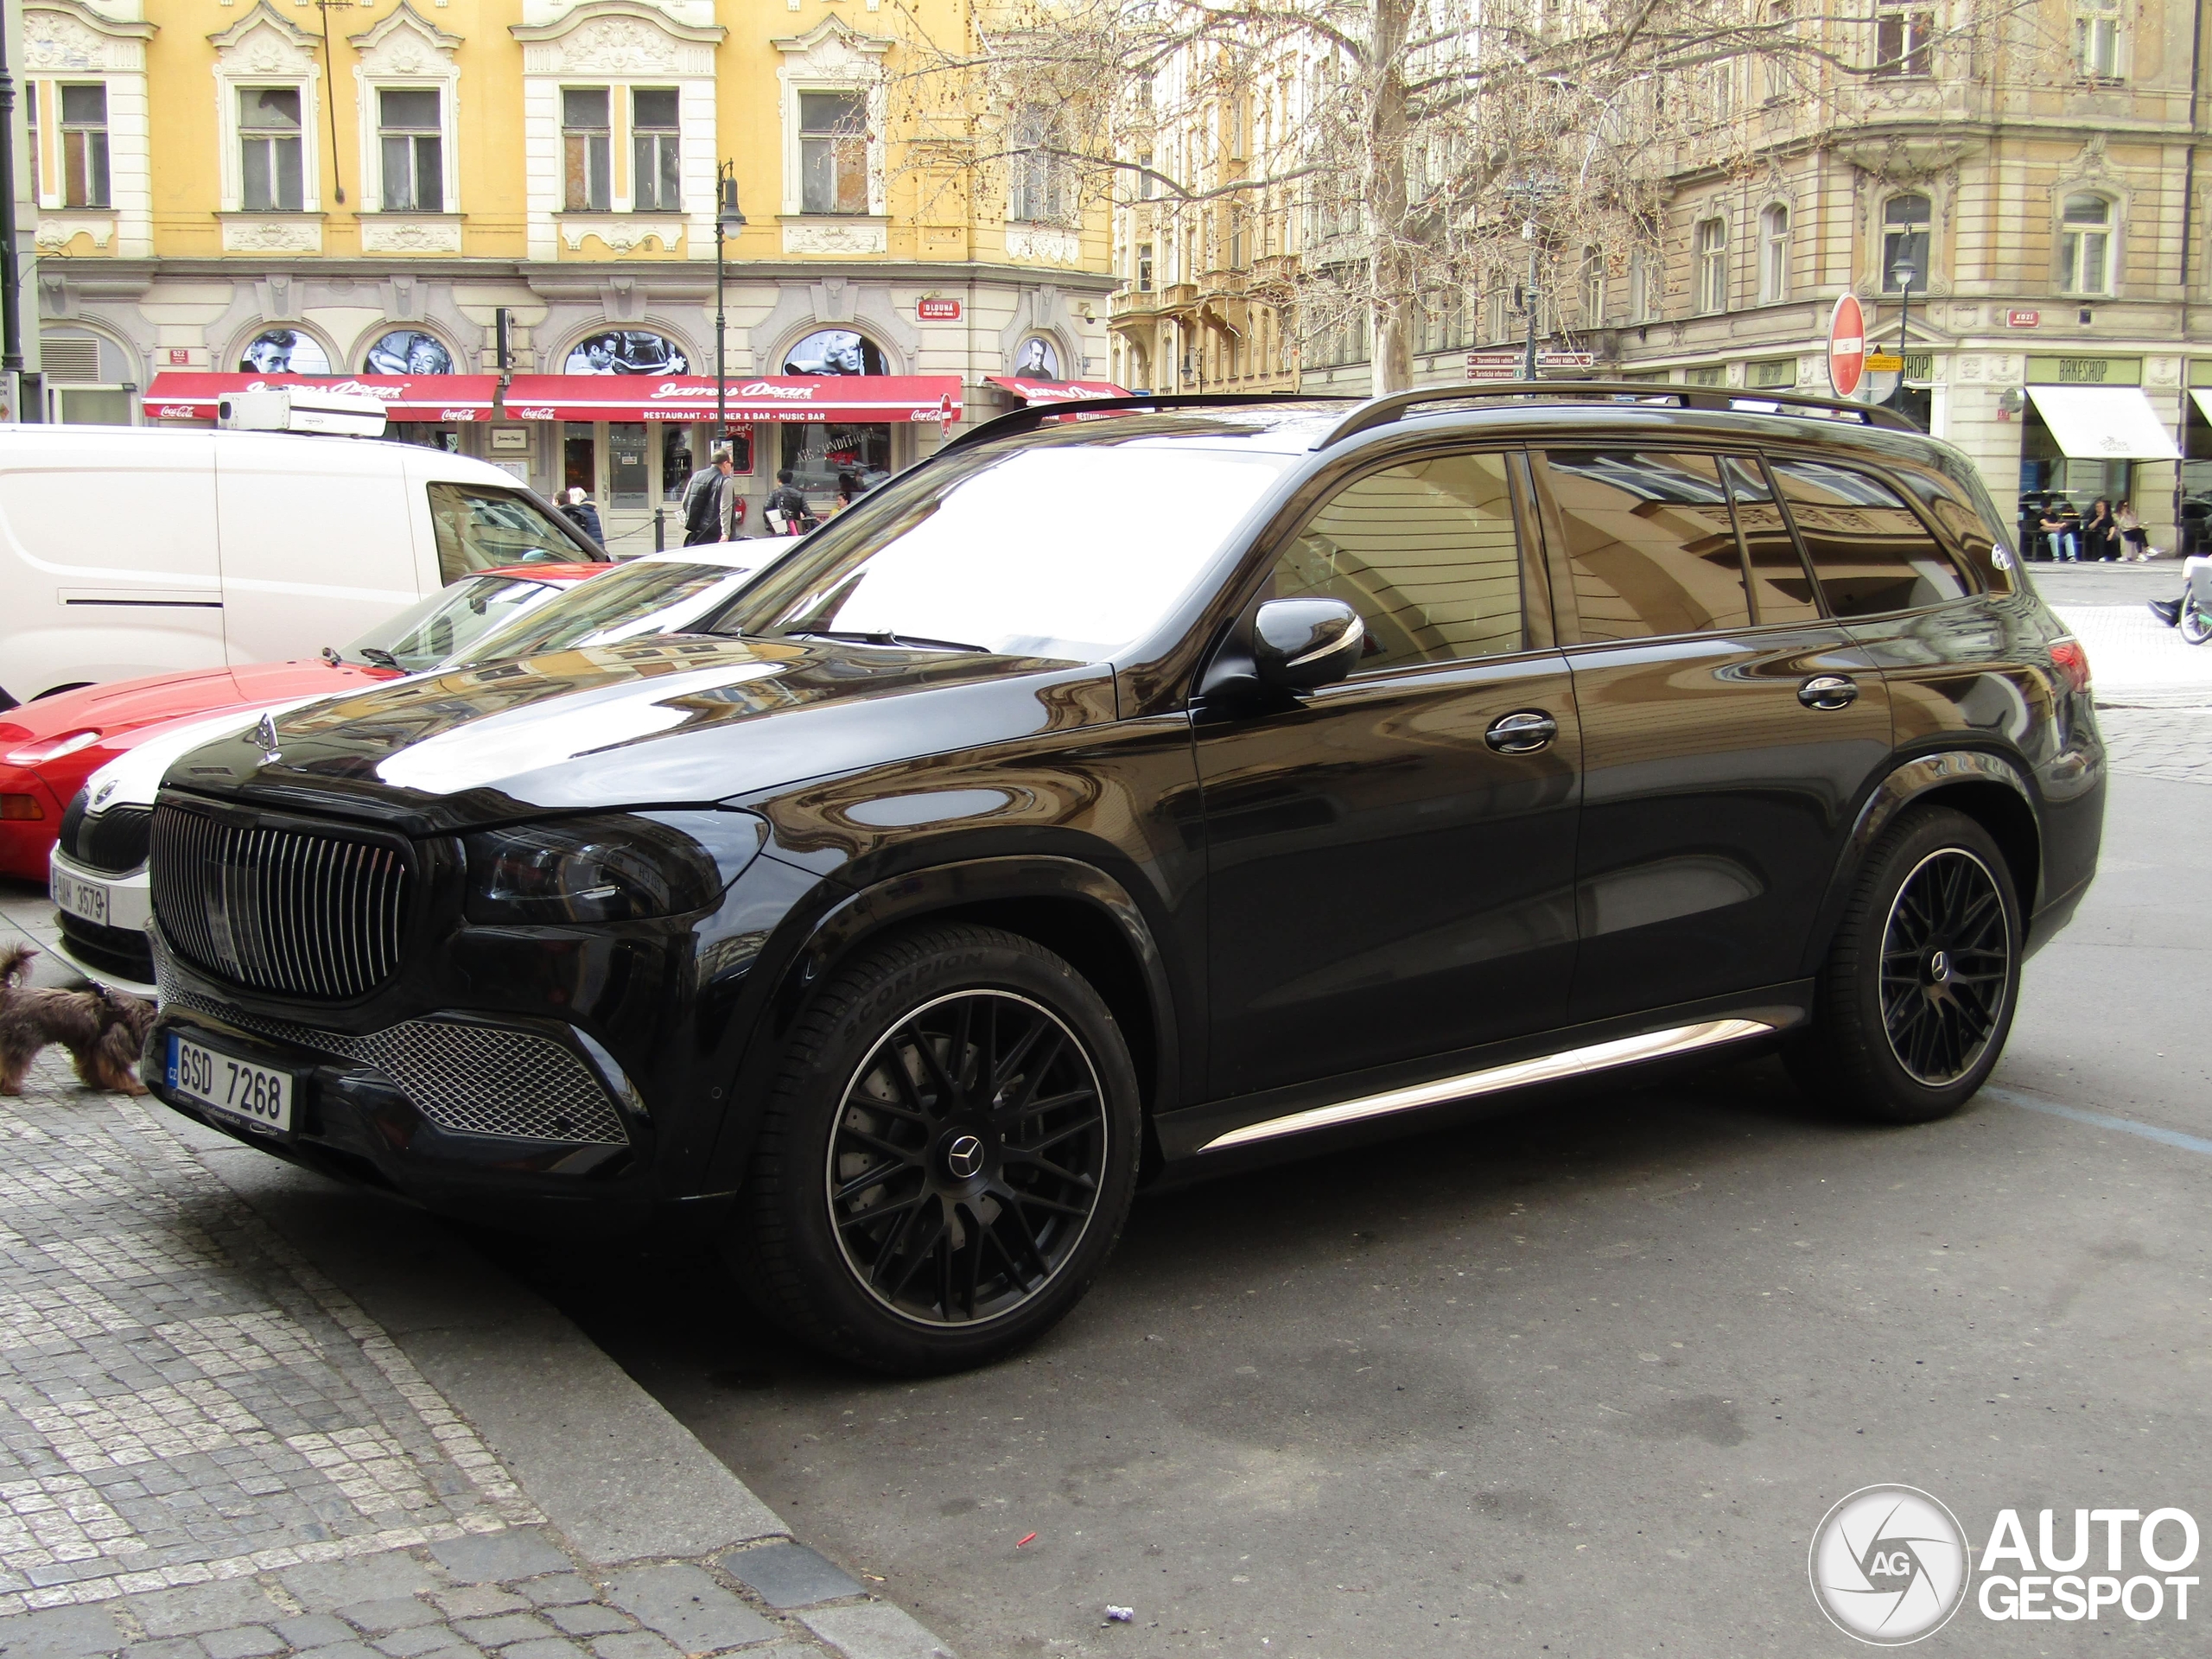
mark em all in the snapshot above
pixel 361 190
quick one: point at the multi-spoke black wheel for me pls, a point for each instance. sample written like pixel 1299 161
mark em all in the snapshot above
pixel 1947 966
pixel 1915 1000
pixel 947 1156
pixel 965 1165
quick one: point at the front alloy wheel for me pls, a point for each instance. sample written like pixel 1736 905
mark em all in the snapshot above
pixel 965 1165
pixel 947 1155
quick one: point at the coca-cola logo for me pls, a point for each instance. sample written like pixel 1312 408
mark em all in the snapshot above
pixel 534 414
pixel 456 414
pixel 179 412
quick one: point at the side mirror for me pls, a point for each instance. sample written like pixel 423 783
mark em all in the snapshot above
pixel 1299 643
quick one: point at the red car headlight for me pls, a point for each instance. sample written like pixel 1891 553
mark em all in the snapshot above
pixel 50 748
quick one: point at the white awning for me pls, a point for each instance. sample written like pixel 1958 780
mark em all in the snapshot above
pixel 2104 423
pixel 2203 396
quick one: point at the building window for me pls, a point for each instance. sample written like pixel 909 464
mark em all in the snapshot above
pixel 1905 241
pixel 1144 268
pixel 1774 372
pixel 2096 39
pixel 656 175
pixel 283 351
pixel 1036 179
pixel 406 352
pixel 1713 265
pixel 1902 41
pixel 412 150
pixel 1773 255
pixel 586 150
pixel 84 146
pixel 269 148
pixel 1594 288
pixel 2085 246
pixel 627 350
pixel 1710 374
pixel 832 152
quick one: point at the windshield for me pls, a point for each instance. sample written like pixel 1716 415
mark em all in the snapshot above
pixel 627 601
pixel 451 619
pixel 1071 550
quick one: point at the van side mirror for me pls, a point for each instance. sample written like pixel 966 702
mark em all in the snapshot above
pixel 1299 643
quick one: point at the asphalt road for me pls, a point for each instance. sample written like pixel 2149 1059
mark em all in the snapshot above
pixel 1575 1383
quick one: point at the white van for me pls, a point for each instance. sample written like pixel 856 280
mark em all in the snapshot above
pixel 128 550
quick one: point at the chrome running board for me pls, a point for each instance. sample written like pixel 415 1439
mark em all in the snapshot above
pixel 1548 1068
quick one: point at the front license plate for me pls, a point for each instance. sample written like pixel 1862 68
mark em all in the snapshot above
pixel 80 898
pixel 258 1095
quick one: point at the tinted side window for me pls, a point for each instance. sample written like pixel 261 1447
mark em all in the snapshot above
pixel 1869 550
pixel 1425 552
pixel 478 528
pixel 1649 542
pixel 1947 505
pixel 1780 591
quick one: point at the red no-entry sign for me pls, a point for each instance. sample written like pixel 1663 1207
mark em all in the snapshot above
pixel 1846 347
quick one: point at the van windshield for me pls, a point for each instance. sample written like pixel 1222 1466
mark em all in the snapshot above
pixel 1068 550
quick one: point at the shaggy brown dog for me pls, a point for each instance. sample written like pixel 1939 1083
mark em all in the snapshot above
pixel 102 1030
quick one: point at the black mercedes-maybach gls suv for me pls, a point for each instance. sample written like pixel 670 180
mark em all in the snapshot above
pixel 1143 792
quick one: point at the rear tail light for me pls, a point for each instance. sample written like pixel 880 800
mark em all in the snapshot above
pixel 2067 656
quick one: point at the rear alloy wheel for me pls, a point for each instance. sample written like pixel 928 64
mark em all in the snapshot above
pixel 1918 995
pixel 948 1157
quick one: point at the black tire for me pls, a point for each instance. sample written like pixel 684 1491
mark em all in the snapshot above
pixel 1916 997
pixel 973 1243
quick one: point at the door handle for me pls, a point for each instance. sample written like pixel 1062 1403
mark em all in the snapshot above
pixel 1829 691
pixel 1523 732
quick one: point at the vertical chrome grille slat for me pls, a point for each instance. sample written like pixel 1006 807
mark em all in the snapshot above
pixel 279 910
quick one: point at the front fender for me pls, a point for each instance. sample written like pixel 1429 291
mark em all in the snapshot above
pixel 833 921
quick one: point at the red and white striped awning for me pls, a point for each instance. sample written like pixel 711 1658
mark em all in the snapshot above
pixel 1056 391
pixel 193 396
pixel 691 397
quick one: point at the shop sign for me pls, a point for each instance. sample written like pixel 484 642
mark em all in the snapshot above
pixel 936 309
pixel 2085 371
pixel 1846 345
pixel 2023 319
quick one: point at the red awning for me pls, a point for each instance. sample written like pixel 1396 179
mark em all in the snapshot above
pixel 440 398
pixel 691 397
pixel 1057 391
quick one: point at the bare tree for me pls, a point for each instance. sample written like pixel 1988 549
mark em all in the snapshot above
pixel 1382 158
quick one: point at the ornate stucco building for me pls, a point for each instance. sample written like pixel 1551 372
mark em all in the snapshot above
pixel 359 190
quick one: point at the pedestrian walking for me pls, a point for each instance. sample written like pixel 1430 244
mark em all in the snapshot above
pixel 2057 534
pixel 580 510
pixel 706 511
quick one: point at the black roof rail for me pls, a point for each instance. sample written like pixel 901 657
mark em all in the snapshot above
pixel 1028 419
pixel 1379 411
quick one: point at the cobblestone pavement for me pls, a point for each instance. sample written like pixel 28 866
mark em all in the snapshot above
pixel 209 1451
pixel 2172 743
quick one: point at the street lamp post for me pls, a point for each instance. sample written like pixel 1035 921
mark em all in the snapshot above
pixel 728 219
pixel 1904 271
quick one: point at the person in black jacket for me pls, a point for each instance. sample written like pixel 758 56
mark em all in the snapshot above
pixel 580 511
pixel 706 500
pixel 790 505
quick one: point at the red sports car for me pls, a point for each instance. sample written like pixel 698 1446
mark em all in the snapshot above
pixel 48 747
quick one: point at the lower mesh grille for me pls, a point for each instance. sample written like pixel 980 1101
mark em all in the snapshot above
pixel 472 1079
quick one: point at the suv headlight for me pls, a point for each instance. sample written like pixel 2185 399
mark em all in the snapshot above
pixel 614 867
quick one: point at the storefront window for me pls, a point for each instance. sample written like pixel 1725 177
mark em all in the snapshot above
pixel 819 455
pixel 579 457
pixel 627 474
pixel 836 350
pixel 675 463
pixel 1040 360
